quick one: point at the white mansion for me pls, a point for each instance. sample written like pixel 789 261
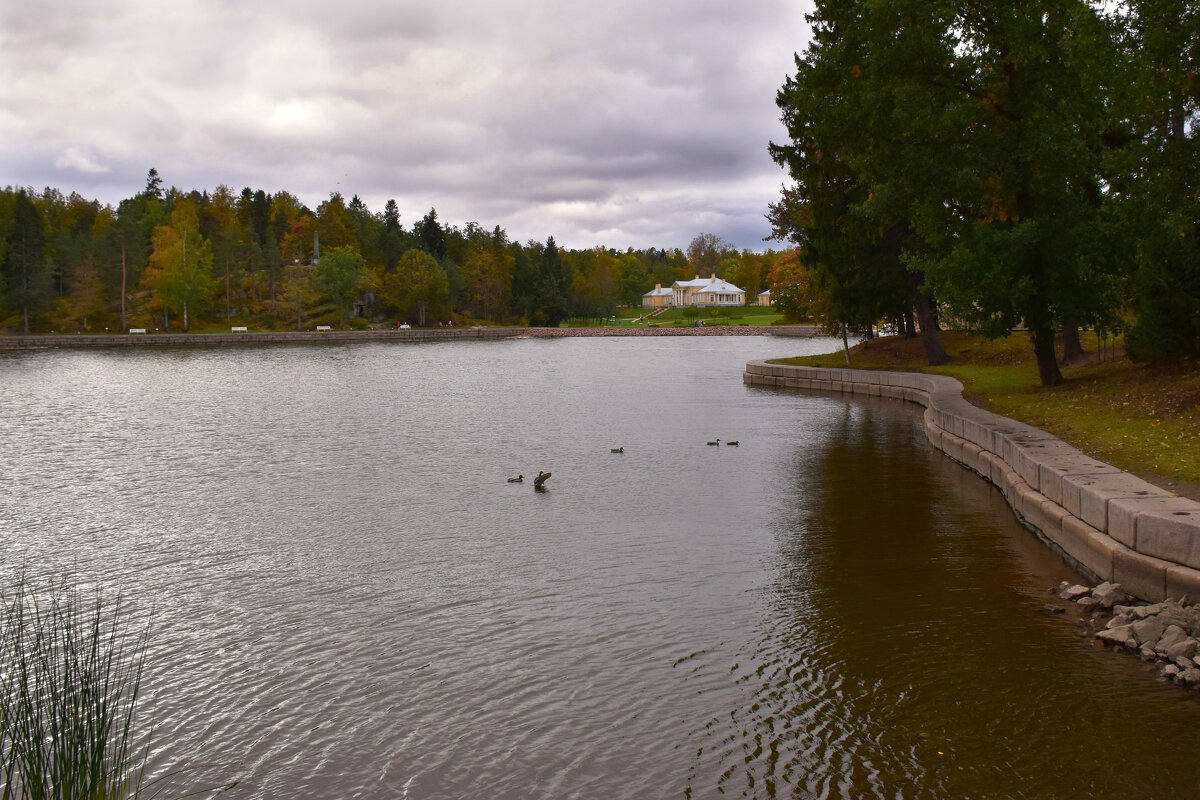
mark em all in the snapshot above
pixel 711 291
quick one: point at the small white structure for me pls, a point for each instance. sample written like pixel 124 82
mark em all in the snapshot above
pixel 324 328
pixel 764 298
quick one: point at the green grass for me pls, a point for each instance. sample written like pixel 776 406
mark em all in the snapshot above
pixel 69 676
pixel 1143 419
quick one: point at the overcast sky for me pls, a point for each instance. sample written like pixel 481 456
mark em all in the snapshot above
pixel 599 122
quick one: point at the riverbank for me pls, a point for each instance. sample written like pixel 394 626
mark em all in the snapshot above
pixel 414 335
pixel 1113 525
pixel 1143 419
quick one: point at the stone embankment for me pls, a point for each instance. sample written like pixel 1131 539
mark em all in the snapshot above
pixel 1166 633
pixel 707 330
pixel 40 341
pixel 1112 525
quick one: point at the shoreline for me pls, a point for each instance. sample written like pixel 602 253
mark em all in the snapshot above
pixel 1111 524
pixel 411 336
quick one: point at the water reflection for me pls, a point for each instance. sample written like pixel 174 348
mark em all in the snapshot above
pixel 909 649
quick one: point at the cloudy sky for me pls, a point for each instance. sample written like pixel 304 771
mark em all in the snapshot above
pixel 599 122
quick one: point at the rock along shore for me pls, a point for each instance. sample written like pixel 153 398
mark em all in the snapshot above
pixel 415 335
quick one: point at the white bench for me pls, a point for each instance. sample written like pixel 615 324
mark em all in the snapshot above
pixel 137 330
pixel 324 328
pixel 239 328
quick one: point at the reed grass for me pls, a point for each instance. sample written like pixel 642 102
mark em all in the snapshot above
pixel 70 670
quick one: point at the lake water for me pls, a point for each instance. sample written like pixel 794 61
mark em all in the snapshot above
pixel 351 601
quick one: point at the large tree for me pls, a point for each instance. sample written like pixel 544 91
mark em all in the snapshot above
pixel 340 274
pixel 1158 181
pixel 180 269
pixel 26 266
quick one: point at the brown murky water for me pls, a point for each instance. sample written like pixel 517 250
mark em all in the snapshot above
pixel 351 601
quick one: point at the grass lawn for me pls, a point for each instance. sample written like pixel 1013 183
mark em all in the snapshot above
pixel 635 317
pixel 1142 419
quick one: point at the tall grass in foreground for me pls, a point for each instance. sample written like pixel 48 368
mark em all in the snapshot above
pixel 70 669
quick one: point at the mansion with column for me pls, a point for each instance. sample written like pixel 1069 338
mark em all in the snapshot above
pixel 700 292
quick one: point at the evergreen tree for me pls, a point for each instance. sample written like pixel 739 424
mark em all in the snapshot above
pixel 26 268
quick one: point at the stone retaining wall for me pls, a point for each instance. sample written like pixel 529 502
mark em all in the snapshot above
pixel 1115 526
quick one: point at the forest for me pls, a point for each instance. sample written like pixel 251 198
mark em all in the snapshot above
pixel 998 164
pixel 173 260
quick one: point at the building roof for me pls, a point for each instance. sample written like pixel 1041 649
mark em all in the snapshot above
pixel 660 292
pixel 765 291
pixel 709 285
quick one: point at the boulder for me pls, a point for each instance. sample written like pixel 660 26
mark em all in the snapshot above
pixel 1121 636
pixel 1147 653
pixel 1172 636
pixel 1187 648
pixel 1074 592
pixel 1120 620
pixel 1141 612
pixel 1193 619
pixel 1086 604
pixel 1109 594
pixel 1189 677
pixel 1169 671
pixel 1149 630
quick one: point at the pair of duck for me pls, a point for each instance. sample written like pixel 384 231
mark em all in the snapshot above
pixel 734 443
pixel 541 478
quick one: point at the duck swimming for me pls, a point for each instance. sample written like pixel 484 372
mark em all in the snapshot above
pixel 518 479
pixel 618 450
pixel 541 478
pixel 718 441
pixel 733 443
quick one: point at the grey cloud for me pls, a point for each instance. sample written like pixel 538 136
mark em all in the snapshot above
pixel 646 120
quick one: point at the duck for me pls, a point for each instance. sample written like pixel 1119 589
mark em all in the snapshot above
pixel 518 479
pixel 734 443
pixel 618 450
pixel 541 478
pixel 718 441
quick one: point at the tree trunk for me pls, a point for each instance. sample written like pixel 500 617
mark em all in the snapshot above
pixel 1072 346
pixel 910 327
pixel 1043 349
pixel 185 316
pixel 935 354
pixel 846 344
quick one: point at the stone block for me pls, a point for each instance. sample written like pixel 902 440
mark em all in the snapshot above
pixel 1054 516
pixel 1140 575
pixel 1183 581
pixel 1053 468
pixel 1085 544
pixel 952 446
pixel 1029 505
pixel 1088 497
pixel 1163 527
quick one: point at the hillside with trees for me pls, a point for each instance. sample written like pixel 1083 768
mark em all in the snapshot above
pixel 171 259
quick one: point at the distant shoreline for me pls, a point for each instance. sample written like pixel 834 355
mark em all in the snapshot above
pixel 416 335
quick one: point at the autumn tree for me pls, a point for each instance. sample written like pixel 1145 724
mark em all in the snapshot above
pixel 180 269
pixel 706 252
